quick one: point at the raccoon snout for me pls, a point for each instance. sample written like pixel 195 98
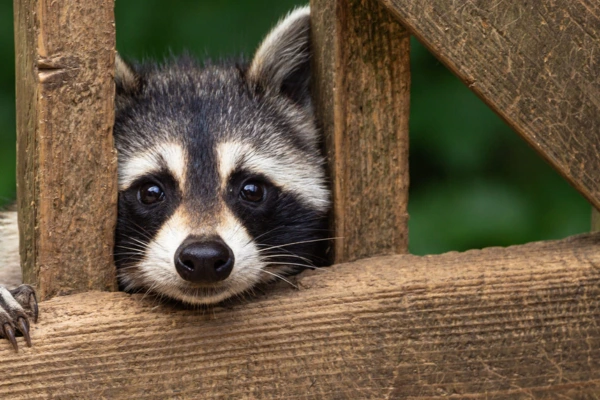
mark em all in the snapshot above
pixel 204 261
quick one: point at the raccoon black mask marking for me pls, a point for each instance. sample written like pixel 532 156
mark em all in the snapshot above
pixel 221 181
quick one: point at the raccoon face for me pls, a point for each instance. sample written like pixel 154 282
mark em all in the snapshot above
pixel 221 181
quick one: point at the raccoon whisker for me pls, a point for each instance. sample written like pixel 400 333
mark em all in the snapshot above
pixel 283 257
pixel 149 290
pixel 126 268
pixel 275 275
pixel 143 231
pixel 129 251
pixel 162 298
pixel 143 234
pixel 296 228
pixel 157 294
pixel 315 257
pixel 272 259
pixel 158 297
pixel 131 246
pixel 146 235
pixel 277 264
pixel 289 254
pixel 133 240
pixel 301 242
pixel 128 256
pixel 137 249
pixel 264 234
pixel 127 261
pixel 242 296
pixel 275 261
pixel 131 254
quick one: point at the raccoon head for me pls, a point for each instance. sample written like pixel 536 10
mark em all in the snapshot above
pixel 221 181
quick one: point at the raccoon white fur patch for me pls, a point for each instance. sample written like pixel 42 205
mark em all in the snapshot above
pixel 162 276
pixel 10 269
pixel 221 181
pixel 167 155
pixel 281 167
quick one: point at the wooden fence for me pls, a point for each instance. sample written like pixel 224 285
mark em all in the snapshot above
pixel 517 322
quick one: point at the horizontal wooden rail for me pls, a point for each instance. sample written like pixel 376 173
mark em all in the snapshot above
pixel 535 63
pixel 518 322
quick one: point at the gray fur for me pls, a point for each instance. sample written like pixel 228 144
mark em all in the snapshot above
pixel 195 127
pixel 10 268
pixel 283 58
pixel 221 118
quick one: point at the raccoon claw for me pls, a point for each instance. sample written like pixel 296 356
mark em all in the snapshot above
pixel 23 326
pixel 9 333
pixel 17 306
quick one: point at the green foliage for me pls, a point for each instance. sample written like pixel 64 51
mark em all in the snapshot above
pixel 474 183
pixel 7 105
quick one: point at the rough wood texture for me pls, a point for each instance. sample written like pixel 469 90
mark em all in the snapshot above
pixel 362 83
pixel 535 63
pixel 66 169
pixel 521 322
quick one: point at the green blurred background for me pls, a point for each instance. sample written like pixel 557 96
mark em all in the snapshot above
pixel 474 183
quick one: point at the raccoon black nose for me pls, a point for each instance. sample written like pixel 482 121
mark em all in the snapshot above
pixel 204 261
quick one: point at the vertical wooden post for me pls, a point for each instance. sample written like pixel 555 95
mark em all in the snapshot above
pixel 595 220
pixel 361 88
pixel 66 184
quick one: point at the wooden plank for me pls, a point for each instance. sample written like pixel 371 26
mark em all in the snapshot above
pixel 361 83
pixel 518 322
pixel 534 63
pixel 66 184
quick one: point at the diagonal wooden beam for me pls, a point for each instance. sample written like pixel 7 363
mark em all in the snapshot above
pixel 517 322
pixel 535 63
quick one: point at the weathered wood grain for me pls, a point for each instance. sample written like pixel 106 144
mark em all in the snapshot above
pixel 361 85
pixel 66 184
pixel 518 322
pixel 535 63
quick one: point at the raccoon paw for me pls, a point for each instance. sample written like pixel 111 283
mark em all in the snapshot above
pixel 17 307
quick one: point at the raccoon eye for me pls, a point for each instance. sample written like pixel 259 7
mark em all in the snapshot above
pixel 150 193
pixel 253 191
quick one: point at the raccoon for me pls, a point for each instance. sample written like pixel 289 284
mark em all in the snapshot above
pixel 221 179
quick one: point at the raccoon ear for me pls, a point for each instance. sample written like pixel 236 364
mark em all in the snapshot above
pixel 126 78
pixel 282 61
